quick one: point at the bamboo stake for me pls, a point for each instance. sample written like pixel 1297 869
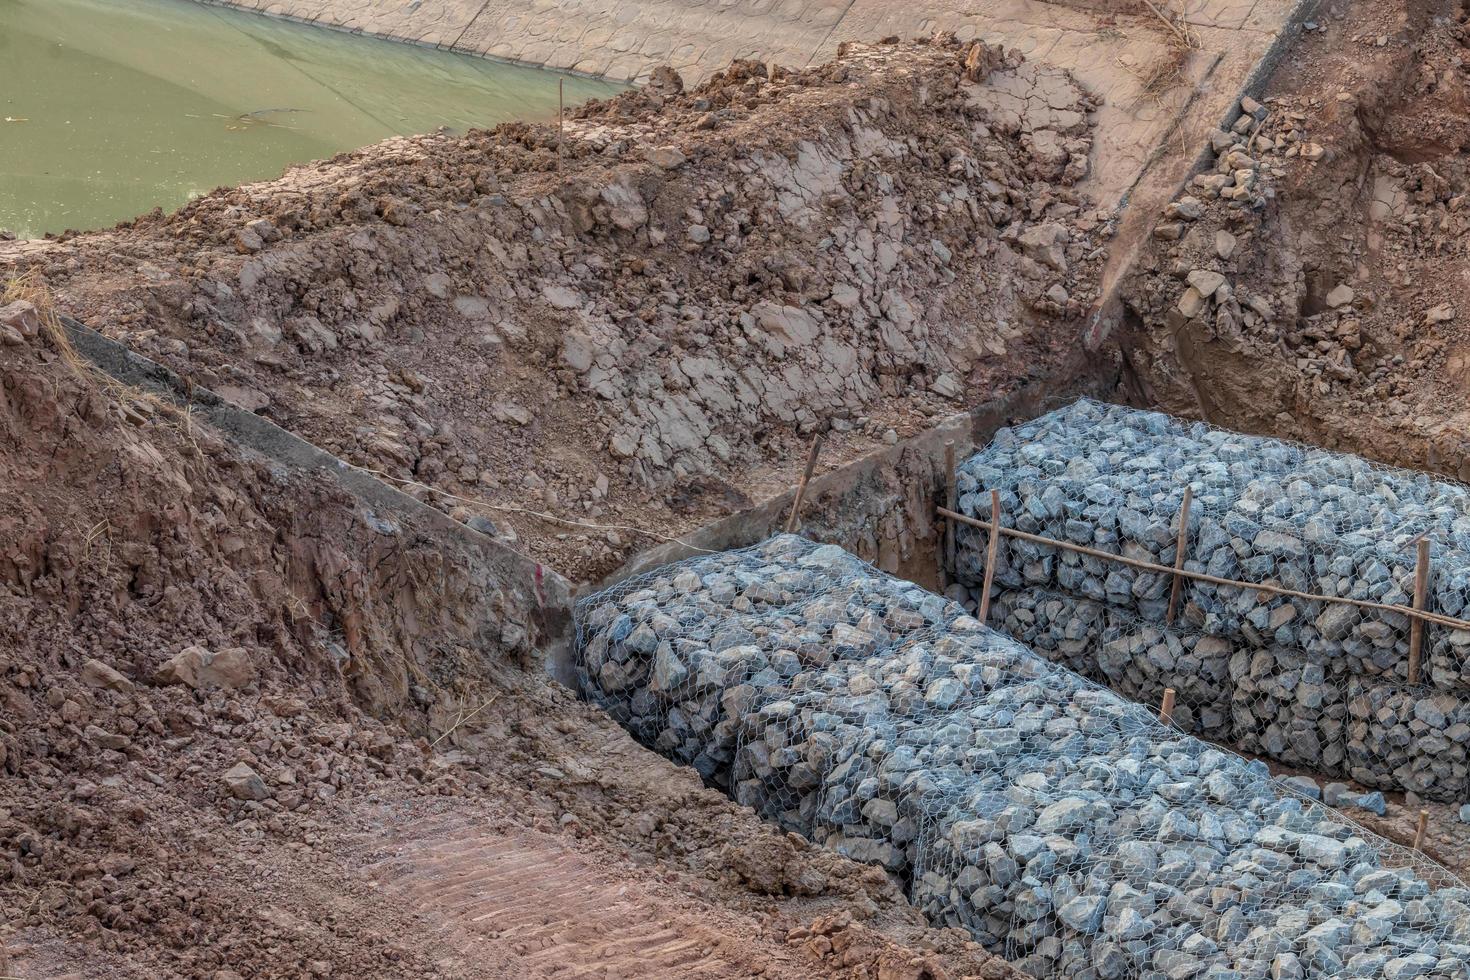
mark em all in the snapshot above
pixel 1166 710
pixel 560 123
pixel 1429 617
pixel 1180 545
pixel 806 476
pixel 1419 830
pixel 991 550
pixel 1416 628
pixel 951 497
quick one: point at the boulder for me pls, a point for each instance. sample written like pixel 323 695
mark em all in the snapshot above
pixel 244 783
pixel 204 669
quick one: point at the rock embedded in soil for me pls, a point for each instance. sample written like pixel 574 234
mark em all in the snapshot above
pixel 98 674
pixel 244 783
pixel 21 317
pixel 198 667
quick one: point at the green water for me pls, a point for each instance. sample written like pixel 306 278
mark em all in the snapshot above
pixel 111 107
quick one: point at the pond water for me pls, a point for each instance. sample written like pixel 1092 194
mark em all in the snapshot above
pixel 109 108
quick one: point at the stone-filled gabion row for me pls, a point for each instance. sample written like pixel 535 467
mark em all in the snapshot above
pixel 1409 738
pixel 1113 479
pixel 1266 674
pixel 1057 822
pixel 1270 702
pixel 678 654
pixel 1135 658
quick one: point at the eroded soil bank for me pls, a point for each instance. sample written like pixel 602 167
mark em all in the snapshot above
pixel 644 326
pixel 1342 310
pixel 249 727
pixel 637 326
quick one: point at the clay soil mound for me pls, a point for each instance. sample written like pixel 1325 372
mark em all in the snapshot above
pixel 224 695
pixel 589 342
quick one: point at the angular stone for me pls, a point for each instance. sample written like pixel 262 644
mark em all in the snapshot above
pixel 95 673
pixel 204 669
pixel 1191 303
pixel 665 157
pixel 244 783
pixel 668 670
pixel 1207 281
pixel 1083 913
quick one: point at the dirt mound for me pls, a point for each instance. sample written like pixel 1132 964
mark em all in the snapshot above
pixel 1340 316
pixel 219 682
pixel 639 324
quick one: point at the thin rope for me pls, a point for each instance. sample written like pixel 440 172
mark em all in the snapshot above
pixel 1429 617
pixel 510 508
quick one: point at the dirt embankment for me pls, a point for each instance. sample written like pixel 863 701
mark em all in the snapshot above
pixel 218 686
pixel 643 324
pixel 1337 311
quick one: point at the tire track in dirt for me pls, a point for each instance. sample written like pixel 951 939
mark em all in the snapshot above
pixel 559 915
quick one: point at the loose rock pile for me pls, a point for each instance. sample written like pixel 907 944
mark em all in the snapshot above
pixel 1057 822
pixel 677 289
pixel 1309 682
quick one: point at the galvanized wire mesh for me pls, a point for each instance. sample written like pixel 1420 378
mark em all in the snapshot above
pixel 1313 683
pixel 1061 824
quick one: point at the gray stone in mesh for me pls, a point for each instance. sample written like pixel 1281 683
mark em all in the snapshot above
pixel 1113 479
pixel 1277 703
pixel 1059 823
pixel 1267 674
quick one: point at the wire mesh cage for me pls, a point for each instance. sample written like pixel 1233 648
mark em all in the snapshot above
pixel 1307 679
pixel 1061 824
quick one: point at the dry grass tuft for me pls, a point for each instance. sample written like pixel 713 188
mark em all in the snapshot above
pixel 26 287
pixel 1181 35
pixel 1164 75
pixel 1157 82
pixel 134 405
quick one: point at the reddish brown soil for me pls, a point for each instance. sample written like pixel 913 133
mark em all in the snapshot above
pixel 643 330
pixel 535 841
pixel 1384 91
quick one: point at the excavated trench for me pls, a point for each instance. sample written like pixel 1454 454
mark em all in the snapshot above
pixel 829 698
pixel 358 300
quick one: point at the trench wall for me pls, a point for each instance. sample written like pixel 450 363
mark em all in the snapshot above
pixel 881 507
pixel 481 601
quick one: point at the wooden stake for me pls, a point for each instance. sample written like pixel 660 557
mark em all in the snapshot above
pixel 1419 831
pixel 1265 589
pixel 560 123
pixel 806 476
pixel 1166 710
pixel 991 550
pixel 951 500
pixel 1416 626
pixel 1181 545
